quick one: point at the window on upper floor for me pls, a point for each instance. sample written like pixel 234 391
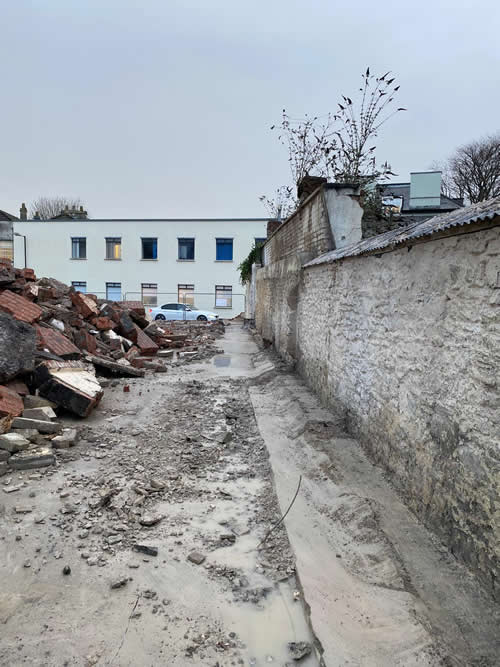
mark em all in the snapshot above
pixel 113 248
pixel 223 296
pixel 186 249
pixel 149 248
pixel 224 250
pixel 149 292
pixel 78 247
pixel 260 241
pixel 114 291
pixel 79 286
pixel 185 294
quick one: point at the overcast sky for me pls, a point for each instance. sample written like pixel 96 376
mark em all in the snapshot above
pixel 162 108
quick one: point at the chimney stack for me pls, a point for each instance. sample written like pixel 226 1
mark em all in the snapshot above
pixel 23 212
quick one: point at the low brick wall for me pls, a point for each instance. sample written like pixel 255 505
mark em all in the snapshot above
pixel 406 345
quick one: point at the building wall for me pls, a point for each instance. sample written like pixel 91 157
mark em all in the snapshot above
pixel 406 345
pixel 49 253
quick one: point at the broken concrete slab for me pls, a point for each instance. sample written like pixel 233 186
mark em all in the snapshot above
pixel 70 384
pixel 10 402
pixel 115 368
pixel 17 347
pixel 42 426
pixel 13 442
pixel 36 457
pixel 31 401
pixel 45 413
pixel 67 439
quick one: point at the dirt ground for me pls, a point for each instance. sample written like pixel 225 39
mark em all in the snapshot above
pixel 162 514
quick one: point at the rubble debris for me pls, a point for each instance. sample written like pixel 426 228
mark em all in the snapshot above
pixel 70 384
pixel 44 412
pixel 299 650
pixel 19 307
pixel 115 368
pixel 56 342
pixel 10 403
pixel 41 426
pixel 119 583
pixel 196 557
pixel 146 549
pixel 13 442
pixel 17 347
pixel 67 439
pixel 150 519
pixel 66 570
pixel 36 457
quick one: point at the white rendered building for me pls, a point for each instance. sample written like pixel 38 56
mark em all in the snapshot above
pixel 155 261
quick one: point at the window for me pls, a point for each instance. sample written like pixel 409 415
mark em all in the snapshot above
pixel 79 286
pixel 6 250
pixel 78 248
pixel 149 294
pixel 224 250
pixel 185 294
pixel 170 306
pixel 260 241
pixel 223 296
pixel 186 249
pixel 149 248
pixel 113 248
pixel 114 291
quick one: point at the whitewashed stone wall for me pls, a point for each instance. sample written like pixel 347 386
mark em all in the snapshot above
pixel 407 346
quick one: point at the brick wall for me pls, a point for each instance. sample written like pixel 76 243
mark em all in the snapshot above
pixel 406 345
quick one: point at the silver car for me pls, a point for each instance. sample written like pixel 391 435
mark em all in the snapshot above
pixel 180 311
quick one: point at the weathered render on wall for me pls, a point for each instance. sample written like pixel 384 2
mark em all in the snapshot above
pixel 406 344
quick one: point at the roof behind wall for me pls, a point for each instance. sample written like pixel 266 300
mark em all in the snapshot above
pixel 4 216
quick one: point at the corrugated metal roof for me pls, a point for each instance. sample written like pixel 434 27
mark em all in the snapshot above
pixel 486 210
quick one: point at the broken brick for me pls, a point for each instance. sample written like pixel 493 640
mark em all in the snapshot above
pixel 57 343
pixel 10 403
pixel 144 343
pixel 19 307
pixel 85 341
pixel 103 323
pixel 84 304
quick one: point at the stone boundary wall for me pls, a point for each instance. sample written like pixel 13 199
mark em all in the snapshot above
pixel 406 345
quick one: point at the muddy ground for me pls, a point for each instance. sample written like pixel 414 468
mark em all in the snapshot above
pixel 161 516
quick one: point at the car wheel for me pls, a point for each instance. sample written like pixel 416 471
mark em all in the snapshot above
pixel 160 317
pixel 202 318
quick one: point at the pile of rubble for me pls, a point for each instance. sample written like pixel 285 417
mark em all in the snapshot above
pixel 53 342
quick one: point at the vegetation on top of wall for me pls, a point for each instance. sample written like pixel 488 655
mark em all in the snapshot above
pixel 254 257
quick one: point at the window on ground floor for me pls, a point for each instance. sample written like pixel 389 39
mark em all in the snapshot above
pixel 224 250
pixel 6 250
pixel 260 241
pixel 114 291
pixel 223 296
pixel 186 249
pixel 185 294
pixel 149 293
pixel 79 286
pixel 78 247
pixel 149 248
pixel 113 248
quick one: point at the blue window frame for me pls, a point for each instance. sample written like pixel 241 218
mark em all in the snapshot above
pixel 80 286
pixel 224 250
pixel 114 291
pixel 149 248
pixel 186 249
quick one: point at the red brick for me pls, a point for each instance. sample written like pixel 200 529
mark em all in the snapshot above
pixel 144 343
pixel 103 323
pixel 19 307
pixel 18 386
pixel 132 353
pixel 10 403
pixel 57 343
pixel 136 306
pixel 84 304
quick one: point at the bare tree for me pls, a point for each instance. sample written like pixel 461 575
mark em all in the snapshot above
pixel 337 145
pixel 474 169
pixel 282 204
pixel 48 207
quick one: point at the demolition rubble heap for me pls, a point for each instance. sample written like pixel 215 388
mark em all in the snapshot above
pixel 54 342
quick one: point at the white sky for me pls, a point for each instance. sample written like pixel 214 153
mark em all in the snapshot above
pixel 154 108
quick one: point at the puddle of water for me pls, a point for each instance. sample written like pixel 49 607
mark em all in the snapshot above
pixel 267 629
pixel 222 360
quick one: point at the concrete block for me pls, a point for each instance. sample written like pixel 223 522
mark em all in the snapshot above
pixel 42 426
pixel 44 413
pixel 37 457
pixel 70 384
pixel 13 442
pixel 67 439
